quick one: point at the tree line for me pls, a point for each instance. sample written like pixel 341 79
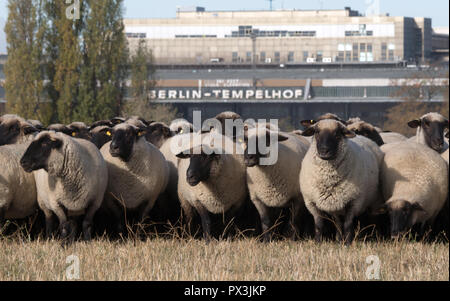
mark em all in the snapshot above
pixel 68 62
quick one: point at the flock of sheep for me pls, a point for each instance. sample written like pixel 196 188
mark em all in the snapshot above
pixel 334 170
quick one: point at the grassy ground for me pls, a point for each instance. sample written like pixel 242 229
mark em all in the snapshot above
pixel 240 259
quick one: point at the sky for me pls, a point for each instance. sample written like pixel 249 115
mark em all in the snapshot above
pixel 435 9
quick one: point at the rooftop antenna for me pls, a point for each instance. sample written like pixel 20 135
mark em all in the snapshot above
pixel 270 3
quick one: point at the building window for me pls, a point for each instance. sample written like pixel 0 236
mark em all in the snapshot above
pixel 319 56
pixel 369 47
pixel 355 52
pixel 248 57
pixel 383 51
pixel 136 35
pixel 277 57
pixel 290 57
pixel 348 56
pixel 235 57
pixel 262 57
pixel 391 54
pixel 340 57
pixel 362 47
pixel 305 56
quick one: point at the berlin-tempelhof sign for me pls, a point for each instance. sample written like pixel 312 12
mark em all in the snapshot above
pixel 234 94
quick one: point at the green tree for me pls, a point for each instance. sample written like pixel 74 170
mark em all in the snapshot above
pixel 104 68
pixel 24 78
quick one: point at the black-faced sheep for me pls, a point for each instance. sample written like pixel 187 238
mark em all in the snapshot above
pixel 430 131
pixel 138 172
pixel 414 181
pixel 71 179
pixel 339 176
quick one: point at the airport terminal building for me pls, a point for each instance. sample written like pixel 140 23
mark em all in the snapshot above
pixel 197 36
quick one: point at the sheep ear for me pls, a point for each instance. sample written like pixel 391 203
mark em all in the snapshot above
pixel 166 132
pixel 309 132
pixel 282 137
pixel 184 155
pixel 347 133
pixel 308 123
pixel 29 130
pixel 414 123
pixel 55 142
pixel 141 132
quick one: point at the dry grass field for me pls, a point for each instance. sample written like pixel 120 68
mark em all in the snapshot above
pixel 238 259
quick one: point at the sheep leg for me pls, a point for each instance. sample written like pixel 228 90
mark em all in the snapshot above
pixel 65 227
pixel 295 212
pixel 349 229
pixel 49 223
pixel 88 220
pixel 264 215
pixel 2 219
pixel 206 221
pixel 339 229
pixel 319 222
pixel 146 210
pixel 117 212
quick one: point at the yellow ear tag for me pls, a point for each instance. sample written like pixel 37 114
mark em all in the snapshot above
pixel 108 133
pixel 181 131
pixel 73 134
pixel 52 139
pixel 141 133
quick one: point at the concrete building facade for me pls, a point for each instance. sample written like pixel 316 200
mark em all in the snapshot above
pixel 282 37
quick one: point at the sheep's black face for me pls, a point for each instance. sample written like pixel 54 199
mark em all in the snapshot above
pixel 12 129
pixel 37 153
pixel 199 168
pixel 101 137
pixel 60 128
pixel 328 143
pixel 156 133
pixel 401 216
pixel 433 131
pixel 9 131
pixel 122 143
pixel 328 135
pixel 79 132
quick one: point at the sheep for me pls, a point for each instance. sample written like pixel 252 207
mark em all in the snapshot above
pixel 310 122
pixel 15 130
pixel 79 130
pixel 37 124
pixel 446 154
pixel 58 127
pixel 392 137
pixel 339 176
pixel 17 188
pixel 430 131
pixel 211 178
pixel 275 185
pixel 138 172
pixel 100 135
pixel 367 130
pixel 414 182
pixel 71 178
pixel 181 126
pixel 158 133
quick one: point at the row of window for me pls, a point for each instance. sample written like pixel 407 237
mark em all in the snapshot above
pixel 364 55
pixel 136 35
